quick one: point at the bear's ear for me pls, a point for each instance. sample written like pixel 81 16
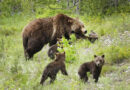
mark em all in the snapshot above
pixel 57 54
pixel 95 56
pixel 103 56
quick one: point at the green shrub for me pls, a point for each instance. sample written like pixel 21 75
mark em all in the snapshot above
pixel 107 69
pixel 114 54
pixel 69 50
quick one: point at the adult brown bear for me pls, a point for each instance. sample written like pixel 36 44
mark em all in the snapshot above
pixel 46 30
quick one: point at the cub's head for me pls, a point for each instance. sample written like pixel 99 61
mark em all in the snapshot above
pixel 93 36
pixel 60 56
pixel 99 60
pixel 77 27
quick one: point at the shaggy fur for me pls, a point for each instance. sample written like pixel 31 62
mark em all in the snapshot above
pixel 94 67
pixel 54 67
pixel 46 30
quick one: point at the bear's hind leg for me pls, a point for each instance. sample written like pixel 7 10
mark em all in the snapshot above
pixel 34 46
pixel 53 77
pixel 84 77
pixel 44 77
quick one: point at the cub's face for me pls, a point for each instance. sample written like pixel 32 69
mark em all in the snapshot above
pixel 99 60
pixel 78 27
pixel 60 56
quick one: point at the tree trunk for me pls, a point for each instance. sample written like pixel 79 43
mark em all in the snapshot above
pixel 77 7
pixel 68 4
pixel 116 3
pixel 73 2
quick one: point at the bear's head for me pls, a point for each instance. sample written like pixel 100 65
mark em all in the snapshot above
pixel 60 56
pixel 77 27
pixel 99 60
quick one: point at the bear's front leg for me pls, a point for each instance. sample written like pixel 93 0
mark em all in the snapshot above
pixel 67 36
pixel 63 70
pixel 53 42
pixel 95 76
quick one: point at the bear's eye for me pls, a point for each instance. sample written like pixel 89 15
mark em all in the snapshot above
pixel 100 60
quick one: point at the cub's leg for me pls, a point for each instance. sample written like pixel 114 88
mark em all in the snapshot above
pixel 44 77
pixel 63 70
pixel 53 77
pixel 83 76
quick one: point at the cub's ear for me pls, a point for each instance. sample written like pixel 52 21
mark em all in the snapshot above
pixel 95 56
pixel 103 56
pixel 57 54
pixel 63 52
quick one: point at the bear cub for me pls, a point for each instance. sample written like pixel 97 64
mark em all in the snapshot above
pixel 94 67
pixel 54 67
pixel 53 49
pixel 93 36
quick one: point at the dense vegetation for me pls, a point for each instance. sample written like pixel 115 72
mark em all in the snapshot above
pixel 110 19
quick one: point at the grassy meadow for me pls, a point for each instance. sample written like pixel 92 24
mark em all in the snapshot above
pixel 114 41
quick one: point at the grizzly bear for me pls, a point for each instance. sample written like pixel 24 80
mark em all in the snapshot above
pixel 53 68
pixel 93 36
pixel 46 30
pixel 94 67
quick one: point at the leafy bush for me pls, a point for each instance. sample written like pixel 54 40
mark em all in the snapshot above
pixel 114 54
pixel 117 54
pixel 70 50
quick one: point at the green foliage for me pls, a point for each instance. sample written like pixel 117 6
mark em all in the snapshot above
pixel 117 54
pixel 113 53
pixel 108 69
pixel 101 7
pixel 89 7
pixel 69 50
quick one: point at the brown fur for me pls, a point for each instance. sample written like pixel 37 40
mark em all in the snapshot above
pixel 94 67
pixel 53 68
pixel 46 30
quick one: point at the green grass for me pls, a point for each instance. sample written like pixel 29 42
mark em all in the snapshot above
pixel 17 73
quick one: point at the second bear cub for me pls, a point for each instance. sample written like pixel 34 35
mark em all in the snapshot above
pixel 54 67
pixel 94 67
